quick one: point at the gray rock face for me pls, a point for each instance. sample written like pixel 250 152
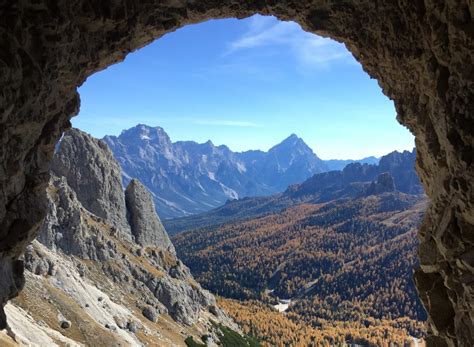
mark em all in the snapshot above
pixel 91 171
pixel 145 224
pixel 36 263
pixel 150 314
pixel 153 274
pixel 70 228
pixel 181 298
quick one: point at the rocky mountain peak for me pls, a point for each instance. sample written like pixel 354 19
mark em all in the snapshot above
pixel 290 143
pixel 145 223
pixel 92 172
pixel 293 138
pixel 91 218
pixel 293 149
pixel 143 133
pixel 291 160
pixel 186 177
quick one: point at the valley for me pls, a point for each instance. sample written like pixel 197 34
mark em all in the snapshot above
pixel 329 253
pixel 345 261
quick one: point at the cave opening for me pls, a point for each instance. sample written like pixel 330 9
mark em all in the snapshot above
pixel 417 52
pixel 174 114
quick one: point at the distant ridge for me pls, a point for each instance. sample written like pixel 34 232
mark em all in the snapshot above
pixel 352 182
pixel 188 178
pixel 339 164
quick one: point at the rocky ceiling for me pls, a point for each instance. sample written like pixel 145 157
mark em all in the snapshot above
pixel 421 53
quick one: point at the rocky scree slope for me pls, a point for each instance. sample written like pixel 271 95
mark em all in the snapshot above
pixel 186 177
pixel 104 267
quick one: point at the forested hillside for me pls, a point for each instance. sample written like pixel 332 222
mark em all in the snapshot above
pixel 347 260
pixel 273 328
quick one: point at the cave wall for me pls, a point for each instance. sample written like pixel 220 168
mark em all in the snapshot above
pixel 421 53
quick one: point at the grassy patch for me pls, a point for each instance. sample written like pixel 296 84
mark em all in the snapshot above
pixel 191 343
pixel 231 338
pixel 227 338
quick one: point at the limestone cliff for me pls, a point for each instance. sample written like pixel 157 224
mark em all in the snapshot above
pixel 145 223
pixel 91 171
pixel 123 280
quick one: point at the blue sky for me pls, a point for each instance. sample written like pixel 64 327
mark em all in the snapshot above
pixel 247 84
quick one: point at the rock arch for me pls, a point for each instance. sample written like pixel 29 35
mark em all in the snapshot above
pixel 421 52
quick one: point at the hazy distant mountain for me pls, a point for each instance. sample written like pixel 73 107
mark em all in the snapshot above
pixel 395 172
pixel 347 182
pixel 186 177
pixel 339 164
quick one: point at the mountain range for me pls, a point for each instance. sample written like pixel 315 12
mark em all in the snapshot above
pixel 340 246
pixel 187 178
pixel 395 172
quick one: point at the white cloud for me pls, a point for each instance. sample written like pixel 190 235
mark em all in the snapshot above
pixel 230 123
pixel 308 49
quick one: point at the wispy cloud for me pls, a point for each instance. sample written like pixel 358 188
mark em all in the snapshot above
pixel 307 48
pixel 229 123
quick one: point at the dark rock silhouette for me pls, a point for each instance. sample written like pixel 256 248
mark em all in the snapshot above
pixel 419 52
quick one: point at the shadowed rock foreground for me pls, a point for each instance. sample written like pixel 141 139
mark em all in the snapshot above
pixel 420 52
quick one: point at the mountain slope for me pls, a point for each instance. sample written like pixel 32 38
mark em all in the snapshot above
pixel 303 243
pixel 91 279
pixel 186 177
pixel 351 182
